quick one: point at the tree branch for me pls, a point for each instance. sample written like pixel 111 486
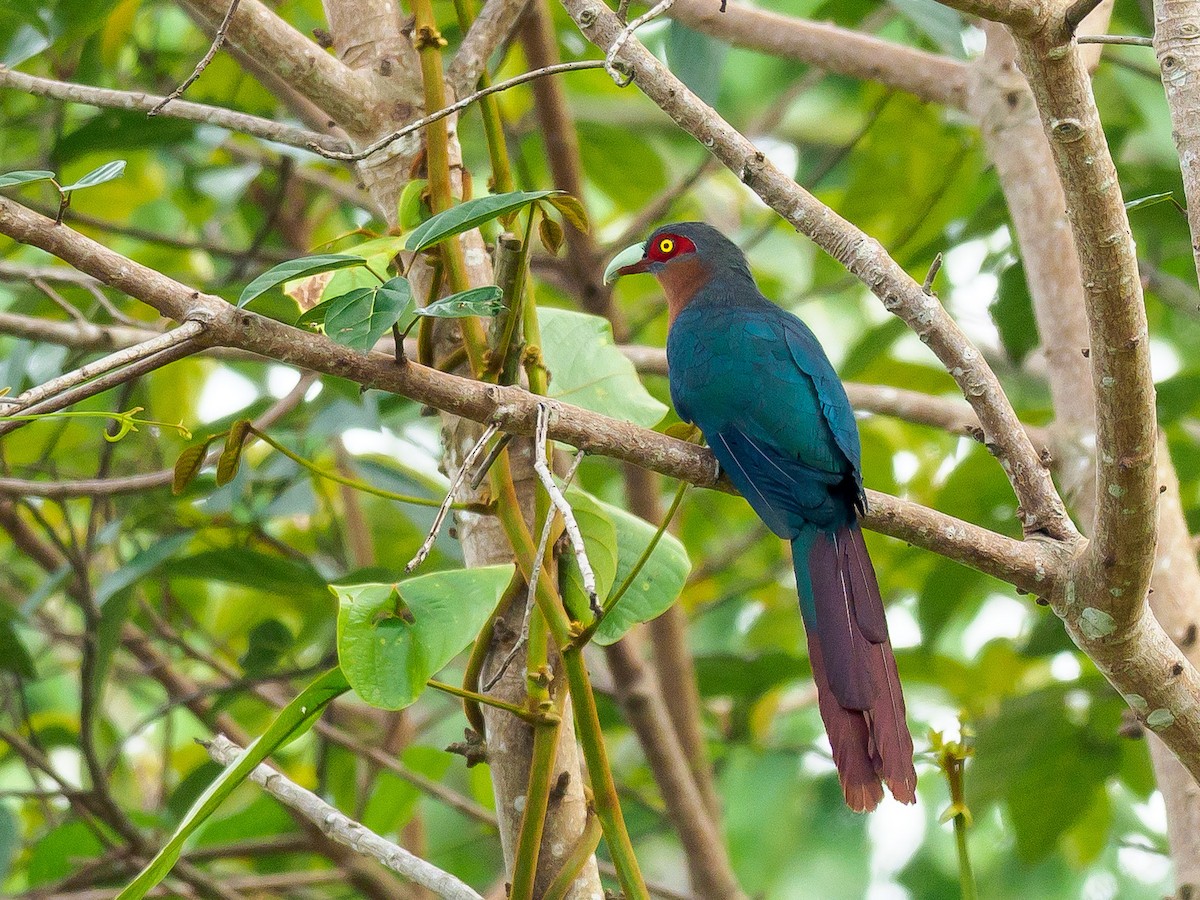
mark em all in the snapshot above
pixel 1041 509
pixel 345 95
pixel 184 333
pixel 1179 65
pixel 342 828
pixel 242 123
pixel 947 413
pixel 1024 17
pixel 1028 564
pixel 928 76
pixel 492 27
pixel 1119 560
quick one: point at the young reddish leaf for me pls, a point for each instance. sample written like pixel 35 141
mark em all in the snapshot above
pixel 188 465
pixel 231 456
pixel 551 234
pixel 572 210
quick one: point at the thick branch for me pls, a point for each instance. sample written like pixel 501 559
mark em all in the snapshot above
pixel 1179 64
pixel 1022 16
pixel 1026 564
pixel 345 95
pixel 178 109
pixel 928 76
pixel 1040 507
pixel 341 828
pixel 491 28
pixel 1120 558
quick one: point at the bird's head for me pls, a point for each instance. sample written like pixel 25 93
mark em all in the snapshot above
pixel 684 257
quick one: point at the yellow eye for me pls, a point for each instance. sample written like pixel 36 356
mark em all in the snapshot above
pixel 666 245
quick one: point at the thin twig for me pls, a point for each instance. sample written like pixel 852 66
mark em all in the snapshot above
pixel 453 108
pixel 1130 40
pixel 1078 11
pixel 341 828
pixel 622 79
pixel 180 109
pixel 217 41
pixel 185 332
pixel 934 268
pixel 105 382
pixel 467 462
pixel 547 527
pixel 542 466
pixel 58 300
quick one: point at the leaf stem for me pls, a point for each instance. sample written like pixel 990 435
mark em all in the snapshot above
pixel 531 717
pixel 353 483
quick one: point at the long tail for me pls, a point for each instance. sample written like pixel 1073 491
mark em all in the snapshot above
pixel 858 688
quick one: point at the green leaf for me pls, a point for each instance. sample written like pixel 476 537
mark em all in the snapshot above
pixel 551 234
pixel 469 215
pixel 296 268
pixel 9 179
pixel 231 456
pixel 268 641
pixel 412 208
pixel 292 721
pixel 697 59
pixel 586 368
pixel 360 318
pixel 657 585
pixel 393 637
pixel 1050 777
pixel 481 301
pixel 942 25
pixel 99 175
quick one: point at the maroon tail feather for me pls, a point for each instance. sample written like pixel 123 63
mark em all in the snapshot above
pixel 858 687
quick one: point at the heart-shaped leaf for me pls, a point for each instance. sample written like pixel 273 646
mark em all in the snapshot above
pixel 393 637
pixel 482 301
pixel 362 316
pixel 99 175
pixel 8 179
pixel 296 268
pixel 469 215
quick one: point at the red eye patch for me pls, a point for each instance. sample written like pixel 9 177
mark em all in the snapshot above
pixel 667 246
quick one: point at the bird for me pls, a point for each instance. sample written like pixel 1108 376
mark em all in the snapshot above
pixel 757 383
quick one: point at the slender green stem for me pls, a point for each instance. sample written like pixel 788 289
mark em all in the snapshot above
pixel 429 43
pixel 481 648
pixel 587 720
pixel 518 711
pixel 615 597
pixel 537 801
pixel 608 807
pixel 576 859
pixel 966 874
pixel 358 485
